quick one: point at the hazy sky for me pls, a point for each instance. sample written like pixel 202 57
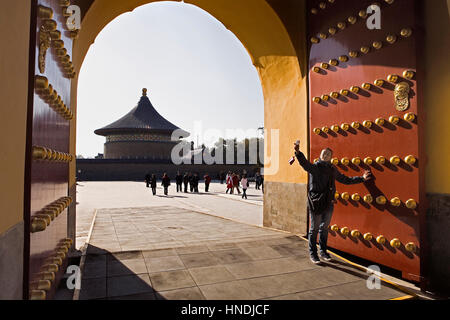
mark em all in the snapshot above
pixel 193 67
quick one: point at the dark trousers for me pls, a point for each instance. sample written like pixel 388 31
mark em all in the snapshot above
pixel 319 225
pixel 206 187
pixel 154 191
pixel 166 190
pixel 244 193
pixel 179 187
pixel 185 188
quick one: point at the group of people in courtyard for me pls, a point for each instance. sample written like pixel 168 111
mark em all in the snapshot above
pixel 189 182
pixel 234 180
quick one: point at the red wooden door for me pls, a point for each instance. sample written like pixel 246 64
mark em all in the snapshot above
pixel 48 165
pixel 365 94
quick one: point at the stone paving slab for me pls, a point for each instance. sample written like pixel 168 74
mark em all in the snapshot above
pixel 168 227
pixel 206 257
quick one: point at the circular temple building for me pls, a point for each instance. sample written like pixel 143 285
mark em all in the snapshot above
pixel 141 134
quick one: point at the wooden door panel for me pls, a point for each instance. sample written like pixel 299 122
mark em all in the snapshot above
pixel 49 166
pixel 402 139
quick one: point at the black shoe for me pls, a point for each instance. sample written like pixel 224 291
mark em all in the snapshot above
pixel 315 259
pixel 325 256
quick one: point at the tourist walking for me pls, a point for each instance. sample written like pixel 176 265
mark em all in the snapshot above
pixel 321 190
pixel 229 181
pixel 196 180
pixel 186 182
pixel 257 180
pixel 147 180
pixel 207 179
pixel 235 179
pixel 153 184
pixel 166 183
pixel 191 182
pixel 179 182
pixel 244 184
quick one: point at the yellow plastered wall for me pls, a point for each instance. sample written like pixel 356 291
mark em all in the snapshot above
pixel 15 38
pixel 269 44
pixel 437 95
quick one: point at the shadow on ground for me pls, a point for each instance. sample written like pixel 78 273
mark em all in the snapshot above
pixel 115 276
pixel 263 269
pixel 172 253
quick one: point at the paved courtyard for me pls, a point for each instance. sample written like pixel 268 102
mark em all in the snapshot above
pixel 176 248
pixel 96 195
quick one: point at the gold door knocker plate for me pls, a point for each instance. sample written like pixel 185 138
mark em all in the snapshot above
pixel 401 94
pixel 44 43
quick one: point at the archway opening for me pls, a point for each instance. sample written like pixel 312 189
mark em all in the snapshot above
pixel 273 44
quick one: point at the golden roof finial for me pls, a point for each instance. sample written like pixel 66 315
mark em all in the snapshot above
pixel 144 92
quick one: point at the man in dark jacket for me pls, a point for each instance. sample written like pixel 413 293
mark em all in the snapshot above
pixel 257 180
pixel 322 177
pixel 166 183
pixel 147 180
pixel 186 182
pixel 153 184
pixel 179 181
pixel 191 182
pixel 195 181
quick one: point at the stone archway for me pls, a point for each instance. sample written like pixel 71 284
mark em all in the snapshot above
pixel 274 36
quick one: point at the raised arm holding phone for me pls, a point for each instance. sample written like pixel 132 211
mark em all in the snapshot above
pixel 321 190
